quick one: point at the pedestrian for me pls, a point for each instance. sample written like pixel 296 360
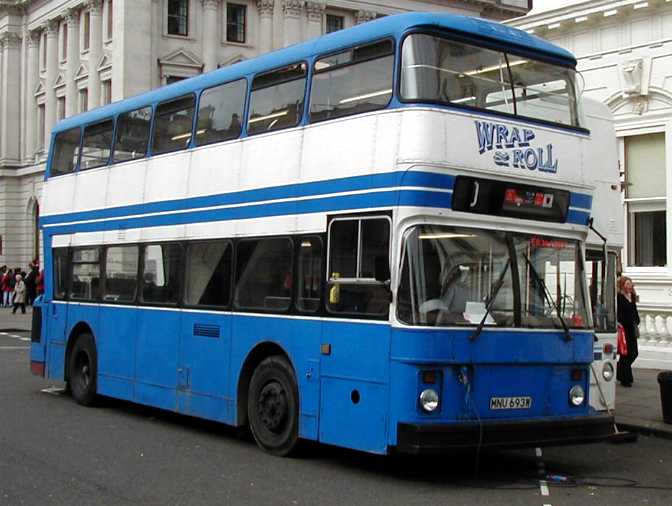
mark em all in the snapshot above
pixel 40 283
pixel 11 282
pixel 19 295
pixel 629 318
pixel 4 286
pixel 31 284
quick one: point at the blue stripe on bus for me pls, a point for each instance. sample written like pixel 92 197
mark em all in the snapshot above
pixel 116 215
pixel 580 200
pixel 299 190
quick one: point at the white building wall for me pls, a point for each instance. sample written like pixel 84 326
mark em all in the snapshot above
pixel 624 53
pixel 121 48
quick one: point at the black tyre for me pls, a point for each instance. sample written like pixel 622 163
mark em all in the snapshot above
pixel 83 370
pixel 273 406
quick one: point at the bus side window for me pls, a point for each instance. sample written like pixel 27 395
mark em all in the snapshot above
pixel 173 123
pixel 132 135
pixel 161 273
pixel 66 152
pixel 208 274
pixel 220 113
pixel 97 145
pixel 277 99
pixel 121 274
pixel 60 260
pixel 264 274
pixel 85 277
pixel 354 81
pixel 309 274
pixel 357 248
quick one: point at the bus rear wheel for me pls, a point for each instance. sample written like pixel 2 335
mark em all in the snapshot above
pixel 273 407
pixel 83 370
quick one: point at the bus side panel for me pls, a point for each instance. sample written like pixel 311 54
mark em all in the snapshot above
pixel 354 385
pixel 156 361
pixel 76 313
pixel 55 321
pixel 301 340
pixel 116 340
pixel 204 362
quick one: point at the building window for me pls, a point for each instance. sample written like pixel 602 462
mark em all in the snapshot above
pixel 60 108
pixel 334 23
pixel 64 41
pixel 178 17
pixel 646 199
pixel 107 92
pixel 110 20
pixel 174 79
pixel 43 51
pixel 86 30
pixel 83 100
pixel 235 23
pixel 40 126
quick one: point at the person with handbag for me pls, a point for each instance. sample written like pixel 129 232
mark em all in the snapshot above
pixel 628 317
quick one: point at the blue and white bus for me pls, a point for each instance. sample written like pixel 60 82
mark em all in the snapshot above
pixel 374 239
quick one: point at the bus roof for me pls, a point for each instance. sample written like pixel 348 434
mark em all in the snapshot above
pixel 389 26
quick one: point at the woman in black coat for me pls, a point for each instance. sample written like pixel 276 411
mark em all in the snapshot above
pixel 629 318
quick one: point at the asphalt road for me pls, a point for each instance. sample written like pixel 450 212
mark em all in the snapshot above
pixel 54 452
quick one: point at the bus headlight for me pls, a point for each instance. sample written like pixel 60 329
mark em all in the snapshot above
pixel 577 395
pixel 607 371
pixel 429 400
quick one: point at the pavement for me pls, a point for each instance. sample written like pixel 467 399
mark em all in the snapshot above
pixel 638 408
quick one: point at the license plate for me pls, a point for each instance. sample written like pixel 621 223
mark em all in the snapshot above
pixel 510 402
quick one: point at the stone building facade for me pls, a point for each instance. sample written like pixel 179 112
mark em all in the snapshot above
pixel 62 57
pixel 624 51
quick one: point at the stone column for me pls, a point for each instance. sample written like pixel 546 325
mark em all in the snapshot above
pixel 32 77
pixel 265 8
pixel 10 105
pixel 292 10
pixel 364 16
pixel 211 36
pixel 51 67
pixel 72 20
pixel 133 60
pixel 315 10
pixel 96 50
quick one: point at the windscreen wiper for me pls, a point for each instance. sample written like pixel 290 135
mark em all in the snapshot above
pixel 544 289
pixel 496 288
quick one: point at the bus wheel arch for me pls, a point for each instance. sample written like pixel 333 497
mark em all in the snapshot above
pixel 81 360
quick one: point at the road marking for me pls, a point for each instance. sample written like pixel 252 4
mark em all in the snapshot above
pixel 538 452
pixel 544 487
pixel 24 338
pixel 53 390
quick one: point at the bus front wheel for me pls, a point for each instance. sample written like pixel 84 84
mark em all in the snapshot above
pixel 83 370
pixel 273 407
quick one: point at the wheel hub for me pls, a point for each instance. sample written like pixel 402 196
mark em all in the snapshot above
pixel 272 406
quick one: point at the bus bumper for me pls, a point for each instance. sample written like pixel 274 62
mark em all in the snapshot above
pixel 433 438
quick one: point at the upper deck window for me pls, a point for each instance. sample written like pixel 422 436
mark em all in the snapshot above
pixel 277 99
pixel 97 145
pixel 353 81
pixel 66 152
pixel 132 135
pixel 173 122
pixel 439 70
pixel 220 112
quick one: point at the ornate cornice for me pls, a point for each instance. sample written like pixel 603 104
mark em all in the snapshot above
pixel 210 4
pixel 364 16
pixel 95 7
pixel 315 10
pixel 71 17
pixel 10 40
pixel 292 8
pixel 265 7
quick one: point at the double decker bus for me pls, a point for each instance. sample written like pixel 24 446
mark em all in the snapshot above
pixel 373 239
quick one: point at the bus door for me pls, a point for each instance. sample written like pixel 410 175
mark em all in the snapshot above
pixel 159 322
pixel 54 316
pixel 203 372
pixel 602 288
